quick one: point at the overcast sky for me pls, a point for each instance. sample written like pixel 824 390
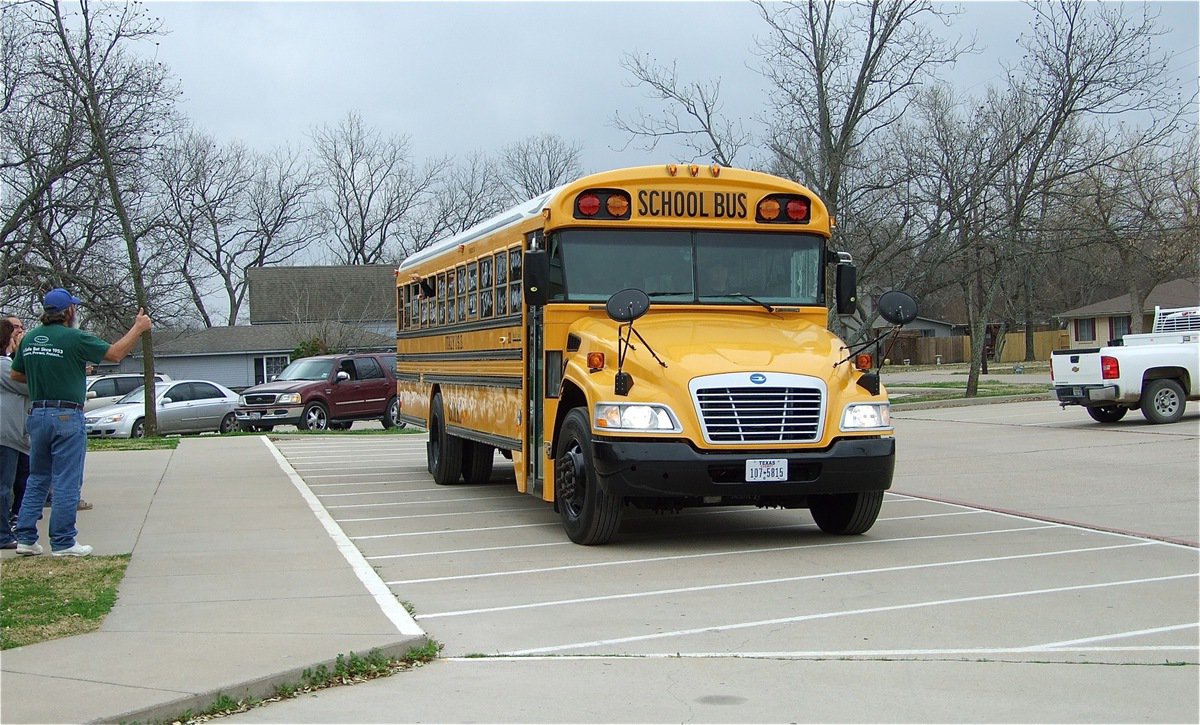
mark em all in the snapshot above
pixel 458 77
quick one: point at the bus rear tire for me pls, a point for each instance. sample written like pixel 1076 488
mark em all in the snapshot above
pixel 445 450
pixel 477 462
pixel 846 513
pixel 589 514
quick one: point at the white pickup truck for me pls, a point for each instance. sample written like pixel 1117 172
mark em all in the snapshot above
pixel 1157 372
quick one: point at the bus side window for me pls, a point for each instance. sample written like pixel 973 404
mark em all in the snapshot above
pixel 460 289
pixel 472 289
pixel 514 279
pixel 502 283
pixel 485 287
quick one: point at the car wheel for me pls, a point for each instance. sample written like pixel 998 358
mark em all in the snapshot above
pixel 1107 413
pixel 445 450
pixel 314 417
pixel 589 514
pixel 138 430
pixel 846 513
pixel 1163 401
pixel 477 462
pixel 228 424
pixel 391 415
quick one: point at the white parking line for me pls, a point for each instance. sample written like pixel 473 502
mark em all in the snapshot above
pixel 772 581
pixel 412 503
pixel 451 531
pixel 708 555
pixel 388 604
pixel 449 552
pixel 431 516
pixel 846 613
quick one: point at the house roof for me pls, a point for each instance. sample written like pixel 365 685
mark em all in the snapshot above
pixel 356 294
pixel 281 339
pixel 1176 293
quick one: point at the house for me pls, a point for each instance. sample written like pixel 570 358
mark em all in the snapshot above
pixel 344 308
pixel 1102 322
pixel 361 295
pixel 238 357
pixel 922 327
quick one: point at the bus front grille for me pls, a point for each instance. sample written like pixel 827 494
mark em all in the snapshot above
pixel 761 414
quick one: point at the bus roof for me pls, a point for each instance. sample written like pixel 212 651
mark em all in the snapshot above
pixel 506 218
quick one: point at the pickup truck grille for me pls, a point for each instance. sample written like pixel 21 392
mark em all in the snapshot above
pixel 762 414
pixel 261 398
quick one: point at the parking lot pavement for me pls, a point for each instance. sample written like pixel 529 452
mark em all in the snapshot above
pixel 984 577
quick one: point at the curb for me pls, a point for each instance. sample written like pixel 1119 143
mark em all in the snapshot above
pixel 260 688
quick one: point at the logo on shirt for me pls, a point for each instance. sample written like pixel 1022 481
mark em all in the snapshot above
pixel 41 339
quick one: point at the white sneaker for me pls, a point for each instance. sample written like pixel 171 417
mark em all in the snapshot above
pixel 28 549
pixel 76 550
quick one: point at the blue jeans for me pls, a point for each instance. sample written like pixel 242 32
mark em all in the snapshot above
pixel 8 475
pixel 58 444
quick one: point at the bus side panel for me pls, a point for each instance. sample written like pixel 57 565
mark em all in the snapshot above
pixel 414 401
pixel 491 411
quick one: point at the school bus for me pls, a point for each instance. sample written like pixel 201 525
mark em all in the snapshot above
pixel 654 337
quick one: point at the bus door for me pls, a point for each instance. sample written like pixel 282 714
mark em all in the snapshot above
pixel 535 435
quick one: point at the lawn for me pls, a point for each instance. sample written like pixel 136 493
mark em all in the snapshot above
pixel 44 597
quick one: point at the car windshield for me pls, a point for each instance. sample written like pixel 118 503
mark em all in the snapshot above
pixel 137 396
pixel 307 369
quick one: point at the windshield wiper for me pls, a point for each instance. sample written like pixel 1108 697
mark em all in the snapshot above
pixel 687 292
pixel 744 296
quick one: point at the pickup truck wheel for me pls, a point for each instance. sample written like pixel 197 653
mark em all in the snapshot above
pixel 1107 413
pixel 589 514
pixel 1163 401
pixel 846 513
pixel 445 450
pixel 314 417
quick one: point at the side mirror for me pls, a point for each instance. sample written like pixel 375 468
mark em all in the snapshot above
pixel 627 305
pixel 91 394
pixel 536 277
pixel 847 288
pixel 342 376
pixel 898 308
pixel 164 401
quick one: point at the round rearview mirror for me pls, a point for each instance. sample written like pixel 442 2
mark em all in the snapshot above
pixel 628 305
pixel 898 308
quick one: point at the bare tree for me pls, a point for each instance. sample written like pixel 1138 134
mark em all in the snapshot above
pixel 374 188
pixel 465 194
pixel 125 102
pixel 537 164
pixel 227 209
pixel 690 114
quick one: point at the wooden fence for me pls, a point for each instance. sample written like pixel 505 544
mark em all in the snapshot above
pixel 947 350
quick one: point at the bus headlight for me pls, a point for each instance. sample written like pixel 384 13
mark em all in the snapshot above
pixel 635 416
pixel 866 416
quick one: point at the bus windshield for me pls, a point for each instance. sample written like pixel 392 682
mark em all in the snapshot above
pixel 709 267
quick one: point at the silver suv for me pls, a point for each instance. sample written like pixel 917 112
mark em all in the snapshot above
pixel 105 390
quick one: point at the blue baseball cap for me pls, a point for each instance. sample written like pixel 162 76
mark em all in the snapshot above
pixel 58 299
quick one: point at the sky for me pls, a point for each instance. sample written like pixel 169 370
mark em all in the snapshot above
pixel 459 77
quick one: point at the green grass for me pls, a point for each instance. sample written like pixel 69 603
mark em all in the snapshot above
pixel 44 598
pixel 346 670
pixel 133 444
pixel 929 392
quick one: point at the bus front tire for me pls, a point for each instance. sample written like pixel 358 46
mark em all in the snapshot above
pixel 445 450
pixel 477 462
pixel 589 514
pixel 846 513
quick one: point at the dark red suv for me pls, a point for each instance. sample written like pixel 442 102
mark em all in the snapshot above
pixel 325 392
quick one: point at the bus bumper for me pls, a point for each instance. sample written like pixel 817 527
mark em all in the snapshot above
pixel 676 469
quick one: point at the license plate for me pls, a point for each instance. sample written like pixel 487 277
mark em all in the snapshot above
pixel 255 415
pixel 1076 392
pixel 766 469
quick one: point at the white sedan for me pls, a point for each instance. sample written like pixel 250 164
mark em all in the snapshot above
pixel 183 406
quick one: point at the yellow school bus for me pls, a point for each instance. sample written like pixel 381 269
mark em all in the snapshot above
pixel 653 337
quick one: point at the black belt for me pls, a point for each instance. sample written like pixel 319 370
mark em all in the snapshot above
pixel 56 404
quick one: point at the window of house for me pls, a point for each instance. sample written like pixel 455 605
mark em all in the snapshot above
pixel 1118 327
pixel 1085 329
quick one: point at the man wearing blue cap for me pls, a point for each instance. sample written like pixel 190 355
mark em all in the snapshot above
pixel 52 360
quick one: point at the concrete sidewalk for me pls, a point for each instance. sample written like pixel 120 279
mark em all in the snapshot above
pixel 236 584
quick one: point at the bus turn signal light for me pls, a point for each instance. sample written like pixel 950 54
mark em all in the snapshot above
pixel 602 204
pixel 863 361
pixel 595 361
pixel 768 210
